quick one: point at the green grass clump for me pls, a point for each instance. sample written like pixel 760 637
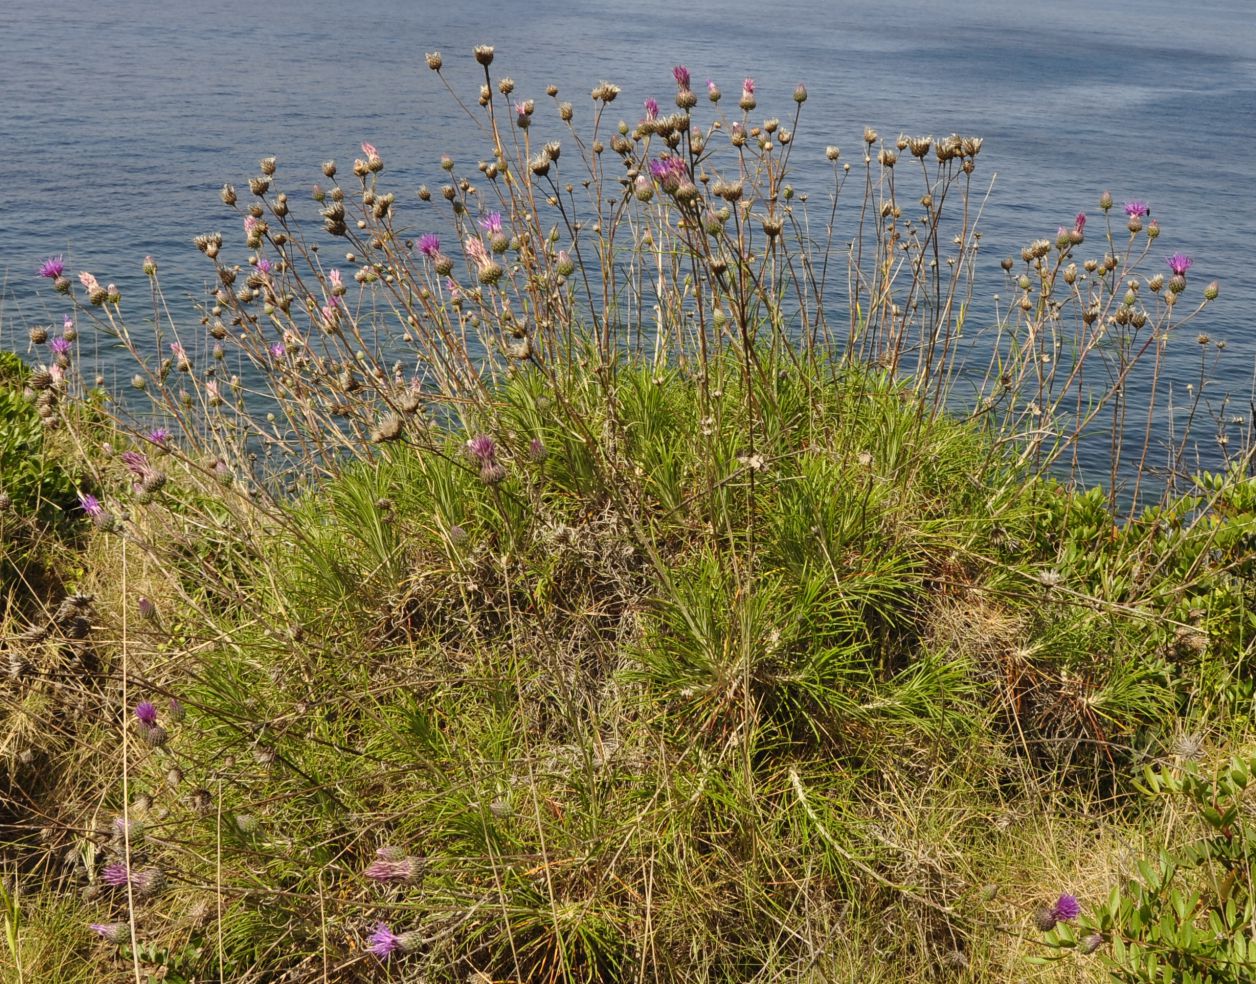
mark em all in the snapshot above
pixel 736 712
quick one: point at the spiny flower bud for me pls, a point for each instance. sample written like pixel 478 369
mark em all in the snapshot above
pixel 1105 201
pixel 800 93
pixel 1211 291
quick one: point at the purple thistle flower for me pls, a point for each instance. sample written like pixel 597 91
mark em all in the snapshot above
pixel 116 932
pixel 681 75
pixel 651 109
pixel 116 875
pixel 136 463
pixel 277 350
pixel 264 266
pixel 1137 208
pixel 52 268
pixel 91 505
pixel 1079 223
pixel 146 711
pixel 384 942
pixel 388 869
pixel 429 245
pixel 59 346
pixel 1179 263
pixel 159 435
pixel 666 167
pixel 492 223
pixel 747 87
pixel 482 448
pixel 1066 907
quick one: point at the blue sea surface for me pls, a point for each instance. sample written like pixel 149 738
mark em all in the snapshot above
pixel 124 118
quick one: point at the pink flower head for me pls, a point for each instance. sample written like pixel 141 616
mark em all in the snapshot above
pixel 1079 223
pixel 388 867
pixel 335 279
pixel 384 942
pixel 712 87
pixel 60 346
pixel 159 435
pixel 177 350
pixel 1179 263
pixel 250 223
pixel 369 149
pixel 747 87
pixel 666 167
pixel 52 267
pixel 136 463
pixel 91 505
pixel 146 711
pixel 429 245
pixel 681 75
pixel 1066 907
pixel 329 313
pixel 455 292
pixel 482 448
pixel 264 266
pixel 492 223
pixel 476 252
pixel 1137 209
pixel 277 351
pixel 651 109
pixel 88 281
pixel 115 875
pixel 115 932
pixel 67 323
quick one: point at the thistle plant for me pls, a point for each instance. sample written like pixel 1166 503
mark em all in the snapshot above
pixel 607 523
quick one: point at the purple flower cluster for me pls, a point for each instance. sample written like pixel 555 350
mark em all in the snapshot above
pixel 1137 209
pixel 52 268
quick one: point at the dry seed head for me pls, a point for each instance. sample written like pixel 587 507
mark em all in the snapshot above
pixel 267 165
pixel 887 158
pixel 565 112
pixel 434 61
pixel 484 54
pixel 506 86
pixel 870 136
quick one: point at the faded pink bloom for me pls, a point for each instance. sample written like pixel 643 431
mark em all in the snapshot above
pixel 335 279
pixel 369 149
pixel 476 252
pixel 88 281
pixel 747 87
